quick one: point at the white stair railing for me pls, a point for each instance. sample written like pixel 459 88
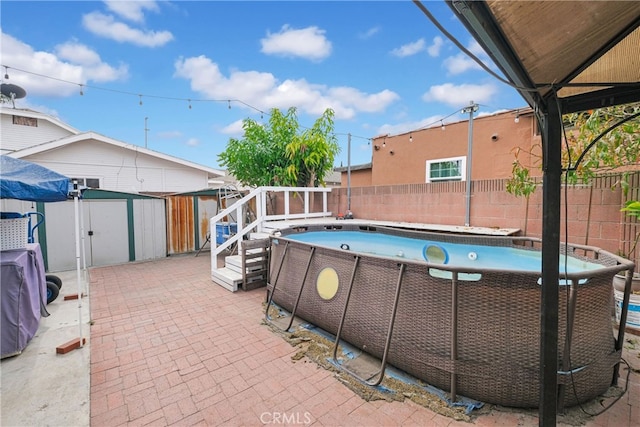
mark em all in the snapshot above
pixel 260 196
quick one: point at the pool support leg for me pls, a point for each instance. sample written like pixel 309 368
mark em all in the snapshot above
pixel 304 279
pixel 387 345
pixel 270 293
pixel 454 332
pixel 344 310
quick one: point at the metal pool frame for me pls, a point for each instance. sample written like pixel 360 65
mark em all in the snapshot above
pixel 476 338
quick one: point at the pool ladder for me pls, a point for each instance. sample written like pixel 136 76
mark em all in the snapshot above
pixel 376 378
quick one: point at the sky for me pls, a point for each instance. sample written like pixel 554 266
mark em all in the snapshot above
pixel 179 77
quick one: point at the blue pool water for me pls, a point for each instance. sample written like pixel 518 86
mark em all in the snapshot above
pixel 464 255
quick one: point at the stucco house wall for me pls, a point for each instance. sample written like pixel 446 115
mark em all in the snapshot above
pixel 402 159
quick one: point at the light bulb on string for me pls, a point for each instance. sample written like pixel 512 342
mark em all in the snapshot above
pixel 140 99
pixel 517 119
pixel 229 105
pixel 189 104
pixel 81 91
pixel 384 142
pixel 442 127
pixel 410 137
pixel 6 73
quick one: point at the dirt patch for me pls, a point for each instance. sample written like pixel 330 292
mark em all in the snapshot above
pixel 318 349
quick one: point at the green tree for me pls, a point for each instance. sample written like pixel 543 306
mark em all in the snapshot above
pixel 597 141
pixel 594 144
pixel 278 154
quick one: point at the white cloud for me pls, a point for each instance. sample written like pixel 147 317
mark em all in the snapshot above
pixel 106 26
pixel 264 91
pixel 475 48
pixel 460 95
pixel 399 128
pixel 460 63
pixel 192 142
pixel 369 33
pixel 434 49
pixel 309 43
pixel 233 129
pixel 131 10
pixel 169 134
pixel 93 67
pixel 409 49
pixel 70 62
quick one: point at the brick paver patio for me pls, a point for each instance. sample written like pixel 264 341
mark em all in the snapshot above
pixel 169 347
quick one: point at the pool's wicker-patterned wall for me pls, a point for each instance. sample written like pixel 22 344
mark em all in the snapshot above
pixel 498 322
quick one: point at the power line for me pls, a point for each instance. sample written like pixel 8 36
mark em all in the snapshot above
pixel 189 101
pixel 135 94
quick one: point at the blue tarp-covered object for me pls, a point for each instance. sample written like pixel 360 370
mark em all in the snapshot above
pixel 24 180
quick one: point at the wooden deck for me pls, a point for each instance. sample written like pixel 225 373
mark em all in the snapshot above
pixel 271 226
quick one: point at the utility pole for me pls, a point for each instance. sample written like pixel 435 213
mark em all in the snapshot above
pixel 472 108
pixel 145 131
pixel 349 172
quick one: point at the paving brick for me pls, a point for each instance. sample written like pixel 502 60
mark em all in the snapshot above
pixel 203 357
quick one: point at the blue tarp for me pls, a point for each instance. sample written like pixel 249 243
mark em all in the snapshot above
pixel 24 180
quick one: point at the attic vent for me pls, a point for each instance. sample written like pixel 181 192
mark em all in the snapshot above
pixel 25 121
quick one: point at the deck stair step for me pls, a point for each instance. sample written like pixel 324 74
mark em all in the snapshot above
pixel 258 235
pixel 234 262
pixel 254 257
pixel 227 278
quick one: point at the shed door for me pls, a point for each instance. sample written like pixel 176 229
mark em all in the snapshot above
pixel 60 220
pixel 108 232
pixel 106 219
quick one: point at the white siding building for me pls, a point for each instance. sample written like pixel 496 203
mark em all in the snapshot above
pixel 97 160
pixel 123 219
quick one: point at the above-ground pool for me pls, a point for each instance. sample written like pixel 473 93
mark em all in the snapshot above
pixel 459 312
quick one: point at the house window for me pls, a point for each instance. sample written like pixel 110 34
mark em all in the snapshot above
pixel 87 182
pixel 25 121
pixel 451 169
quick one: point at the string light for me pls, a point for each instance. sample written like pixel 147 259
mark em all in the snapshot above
pixel 384 142
pixel 517 119
pixel 6 72
pixel 140 95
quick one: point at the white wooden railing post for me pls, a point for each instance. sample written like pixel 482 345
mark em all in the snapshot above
pixel 261 208
pixel 262 215
pixel 286 202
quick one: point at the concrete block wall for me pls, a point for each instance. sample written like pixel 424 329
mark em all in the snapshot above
pixel 592 212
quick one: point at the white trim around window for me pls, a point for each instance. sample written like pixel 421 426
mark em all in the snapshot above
pixel 449 169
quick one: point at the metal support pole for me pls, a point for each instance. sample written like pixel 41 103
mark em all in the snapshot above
pixel 552 172
pixel 348 172
pixel 472 108
pixel 76 195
